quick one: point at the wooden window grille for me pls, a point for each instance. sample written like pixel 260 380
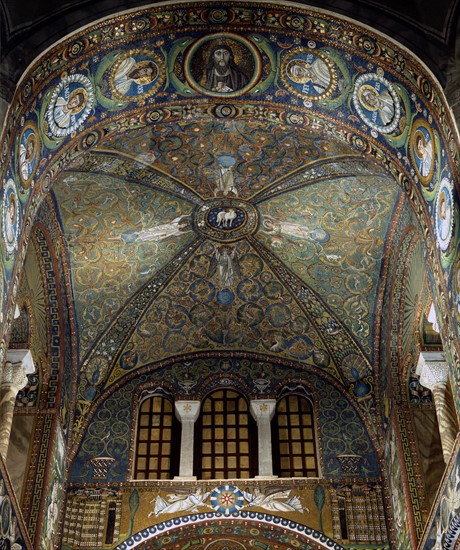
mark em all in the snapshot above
pixel 157 453
pixel 293 437
pixel 226 438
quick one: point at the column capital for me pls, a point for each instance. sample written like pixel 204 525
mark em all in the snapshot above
pixel 432 368
pixel 187 410
pixel 263 408
pixel 23 356
pixel 14 375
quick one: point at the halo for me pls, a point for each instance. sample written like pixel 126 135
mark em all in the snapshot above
pixel 442 200
pixel 419 135
pixel 444 225
pixel 31 138
pixel 81 106
pixel 301 63
pixel 147 79
pixel 362 99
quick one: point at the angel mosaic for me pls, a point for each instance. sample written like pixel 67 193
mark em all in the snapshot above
pixel 174 228
pixel 289 228
pixel 226 264
pixel 180 503
pixel 225 181
pixel 279 501
pixel 227 499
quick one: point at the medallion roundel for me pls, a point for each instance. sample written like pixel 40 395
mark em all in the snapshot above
pixel 28 153
pixel 222 65
pixel 227 499
pixel 71 103
pixel 422 150
pixel 5 515
pixel 10 217
pixel 377 102
pixel 226 220
pixel 309 74
pixel 136 75
pixel 456 287
pixel 444 215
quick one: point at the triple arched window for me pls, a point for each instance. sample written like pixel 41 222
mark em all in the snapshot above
pixel 226 438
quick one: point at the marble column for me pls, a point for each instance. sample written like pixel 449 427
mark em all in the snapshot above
pixel 19 363
pixel 434 375
pixel 263 410
pixel 187 413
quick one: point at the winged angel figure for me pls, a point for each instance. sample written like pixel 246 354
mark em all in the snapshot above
pixel 225 262
pixel 180 503
pixel 274 502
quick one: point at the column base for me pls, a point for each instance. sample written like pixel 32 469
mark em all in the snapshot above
pixel 184 478
pixel 266 477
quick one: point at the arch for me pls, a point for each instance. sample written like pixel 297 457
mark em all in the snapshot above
pixel 322 88
pixel 378 145
pixel 254 526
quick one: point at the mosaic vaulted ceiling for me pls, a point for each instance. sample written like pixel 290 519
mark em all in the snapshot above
pixel 244 215
pixel 250 201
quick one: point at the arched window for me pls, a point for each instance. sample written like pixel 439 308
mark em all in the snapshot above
pixel 226 438
pixel 293 436
pixel 157 451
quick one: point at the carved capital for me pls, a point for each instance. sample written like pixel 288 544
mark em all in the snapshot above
pixel 23 356
pixel 263 408
pixel 14 376
pixel 432 369
pixel 187 411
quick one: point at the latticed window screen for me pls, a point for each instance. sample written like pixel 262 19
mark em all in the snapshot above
pixel 226 438
pixel 157 429
pixel 293 434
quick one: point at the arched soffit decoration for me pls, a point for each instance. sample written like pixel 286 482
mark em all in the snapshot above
pixel 110 425
pixel 237 529
pixel 61 350
pixel 325 88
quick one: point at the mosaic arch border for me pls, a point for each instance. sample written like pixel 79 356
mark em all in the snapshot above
pixel 148 376
pixel 385 95
pixel 305 536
